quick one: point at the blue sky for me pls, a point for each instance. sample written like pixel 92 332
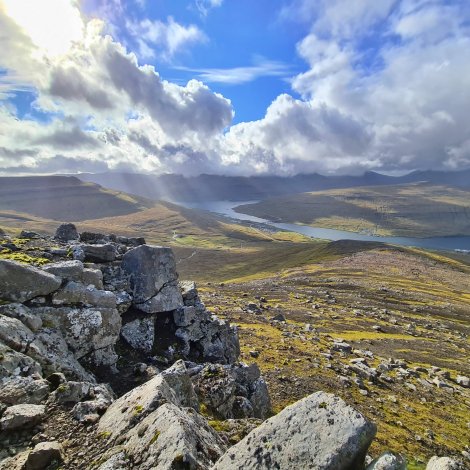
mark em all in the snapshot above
pixel 250 41
pixel 234 86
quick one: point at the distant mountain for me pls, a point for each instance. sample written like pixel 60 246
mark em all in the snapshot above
pixel 65 198
pixel 238 188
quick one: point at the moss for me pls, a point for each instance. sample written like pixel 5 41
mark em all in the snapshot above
pixel 219 426
pixel 23 258
pixel 155 437
pixel 104 434
pixel 322 405
pixel 138 409
pixel 62 388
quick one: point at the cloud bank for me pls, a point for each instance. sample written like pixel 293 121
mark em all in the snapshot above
pixel 385 87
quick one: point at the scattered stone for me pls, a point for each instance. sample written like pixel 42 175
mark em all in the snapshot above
pixel 463 381
pixel 388 461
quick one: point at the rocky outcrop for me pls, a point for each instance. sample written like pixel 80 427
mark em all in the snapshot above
pixel 320 432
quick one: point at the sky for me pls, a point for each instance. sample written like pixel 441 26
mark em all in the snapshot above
pixel 234 87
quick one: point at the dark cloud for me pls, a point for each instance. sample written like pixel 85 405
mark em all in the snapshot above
pixel 73 138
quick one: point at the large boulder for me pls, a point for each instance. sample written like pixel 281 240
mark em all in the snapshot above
pixel 153 278
pixel 320 431
pixel 43 455
pixel 19 282
pixel 66 232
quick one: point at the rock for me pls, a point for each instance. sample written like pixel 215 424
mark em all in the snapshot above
pixel 29 234
pixel 140 334
pixel 85 330
pixel 94 238
pixel 342 347
pixel 364 371
pixel 93 277
pixel 74 293
pixel 118 461
pixel 90 411
pixel 173 438
pixel 338 437
pixel 22 313
pixel 99 253
pixel 443 463
pixel 43 455
pixel 153 278
pixel 388 461
pixel 462 381
pixel 179 380
pixel 189 292
pixel 71 392
pixel 279 317
pixel 21 390
pixel 78 253
pixel 22 417
pixel 13 363
pixel 236 391
pixel 70 270
pixel 66 232
pixel 20 283
pixel 135 405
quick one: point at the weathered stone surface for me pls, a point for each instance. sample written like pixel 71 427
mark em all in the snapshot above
pixel 99 253
pixel 84 329
pixel 443 463
pixel 140 334
pixel 173 438
pixel 388 461
pixel 71 392
pixel 135 405
pixel 43 455
pixel 236 391
pixel 153 278
pixel 20 390
pixel 94 277
pixel 20 283
pixel 71 270
pixel 179 380
pixel 77 293
pixel 320 432
pixel 22 417
pixel 463 381
pixel 16 364
pixel 22 313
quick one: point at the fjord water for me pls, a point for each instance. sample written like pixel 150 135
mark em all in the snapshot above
pixel 226 208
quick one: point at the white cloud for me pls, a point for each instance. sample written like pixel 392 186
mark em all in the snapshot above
pixel 238 75
pixel 164 39
pixel 385 87
pixel 204 6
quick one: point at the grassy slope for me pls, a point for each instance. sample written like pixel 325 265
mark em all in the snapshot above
pixel 417 210
pixel 64 199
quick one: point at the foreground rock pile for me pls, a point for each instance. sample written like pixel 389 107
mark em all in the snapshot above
pixel 108 361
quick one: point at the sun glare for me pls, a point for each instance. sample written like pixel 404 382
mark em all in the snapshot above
pixel 52 25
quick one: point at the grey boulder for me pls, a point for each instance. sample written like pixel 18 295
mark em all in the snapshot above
pixel 20 390
pixel 71 270
pixel 22 417
pixel 66 232
pixel 319 432
pixel 443 463
pixel 388 461
pixel 20 283
pixel 153 278
pixel 43 455
pixel 99 253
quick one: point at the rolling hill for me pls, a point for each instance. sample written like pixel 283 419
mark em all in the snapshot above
pixel 413 210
